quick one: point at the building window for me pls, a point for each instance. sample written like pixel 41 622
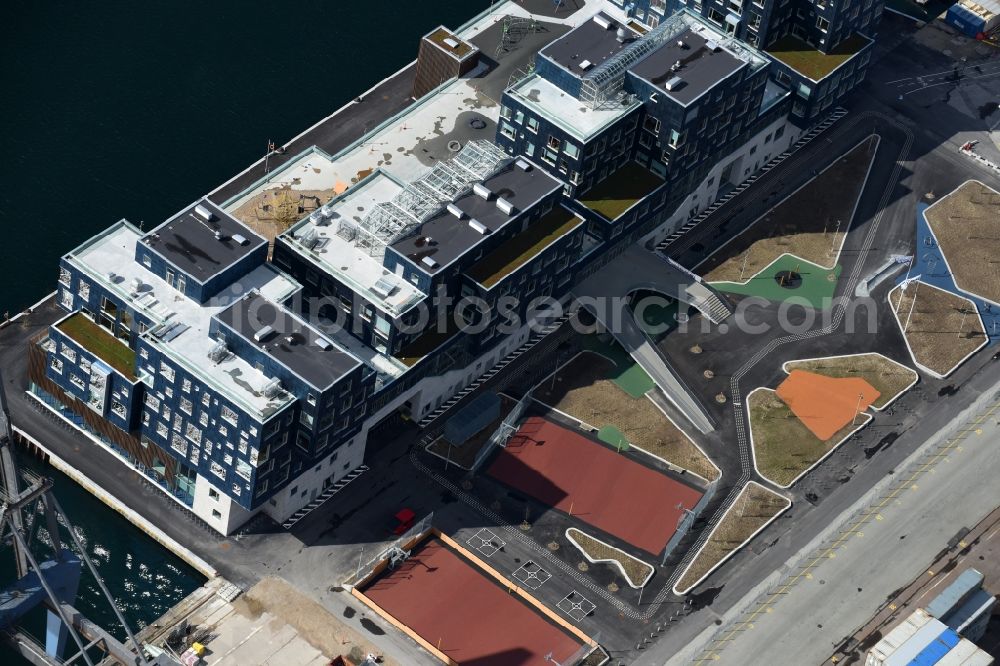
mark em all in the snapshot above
pixel 571 150
pixel 161 430
pixel 507 130
pixel 84 290
pixel 69 353
pixel 178 444
pixel 186 406
pixel 217 470
pixel 506 112
pixel 193 433
pixel 651 124
pixel 548 157
pixel 167 372
pixel 529 149
pixel 65 278
pixel 532 124
pixel 213 494
pixel 229 415
pixel 146 261
pixel 822 24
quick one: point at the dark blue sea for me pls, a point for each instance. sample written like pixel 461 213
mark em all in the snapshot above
pixel 133 109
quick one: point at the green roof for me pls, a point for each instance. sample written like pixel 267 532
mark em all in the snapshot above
pixel 522 248
pixel 100 343
pixel 618 192
pixel 806 60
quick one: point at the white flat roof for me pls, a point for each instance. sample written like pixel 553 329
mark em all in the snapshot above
pixel 566 111
pixel 343 259
pixel 113 252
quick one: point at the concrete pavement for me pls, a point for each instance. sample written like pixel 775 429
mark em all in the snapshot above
pixel 879 545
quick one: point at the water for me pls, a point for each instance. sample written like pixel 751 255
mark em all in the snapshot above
pixel 134 109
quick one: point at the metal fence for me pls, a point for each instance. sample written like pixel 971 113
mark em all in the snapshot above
pixel 366 568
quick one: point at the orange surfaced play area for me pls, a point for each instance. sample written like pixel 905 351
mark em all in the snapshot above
pixel 463 612
pixel 564 469
pixel 826 404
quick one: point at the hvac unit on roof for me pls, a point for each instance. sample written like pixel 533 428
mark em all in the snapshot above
pixel 481 190
pixel 505 206
pixel 585 65
pixel 674 83
pixel 602 21
pixel 429 263
pixel 479 227
pixel 218 351
pixel 384 287
pixel 620 35
pixel 203 213
pixel 712 46
pixel 240 240
pixel 263 333
pixel 450 43
pixel 324 344
pixel 455 210
pixel 272 388
pixel 523 164
pixel 135 285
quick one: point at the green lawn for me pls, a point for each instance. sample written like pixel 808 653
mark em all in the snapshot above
pixel 818 284
pixel 522 248
pixel 628 375
pixel 100 343
pixel 806 60
pixel 610 434
pixel 619 191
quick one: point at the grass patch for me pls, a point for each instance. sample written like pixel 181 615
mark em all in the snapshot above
pixel 627 374
pixel 585 390
pixel 889 378
pixel 610 434
pixel 783 446
pixel 817 288
pixel 754 506
pixel 943 328
pixel 811 224
pixel 618 192
pixel 100 343
pixel 522 248
pixel 814 64
pixel 636 571
pixel 966 224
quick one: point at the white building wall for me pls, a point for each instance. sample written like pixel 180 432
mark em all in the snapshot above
pixel 708 190
pixel 216 508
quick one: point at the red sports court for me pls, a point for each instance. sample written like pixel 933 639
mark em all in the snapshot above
pixel 465 613
pixel 601 487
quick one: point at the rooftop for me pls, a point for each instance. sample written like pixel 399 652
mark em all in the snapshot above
pixel 289 340
pixel 590 44
pixel 342 257
pixel 621 190
pixel 702 64
pixel 566 111
pixel 520 249
pixel 100 342
pixel 441 38
pixel 201 247
pixel 814 64
pixel 445 238
pixel 181 325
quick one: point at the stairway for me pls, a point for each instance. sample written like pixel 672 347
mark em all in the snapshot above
pixel 326 494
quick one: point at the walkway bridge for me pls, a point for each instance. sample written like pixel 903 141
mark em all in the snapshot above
pixel 605 294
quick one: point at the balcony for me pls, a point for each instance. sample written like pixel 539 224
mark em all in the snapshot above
pixel 100 343
pixel 522 248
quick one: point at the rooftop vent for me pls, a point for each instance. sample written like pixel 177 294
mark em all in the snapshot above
pixel 451 43
pixel 218 352
pixel 505 206
pixel 263 334
pixel 135 285
pixel 240 240
pixel 674 83
pixel 218 235
pixel 523 164
pixel 272 388
pixel 429 263
pixel 585 65
pixel 482 191
pixel 324 344
pixel 681 44
pixel 676 66
pixel 712 46
pixel 316 216
pixel 384 287
pixel 456 211
pixel 479 227
pixel 603 21
pixel 203 213
pixel 620 35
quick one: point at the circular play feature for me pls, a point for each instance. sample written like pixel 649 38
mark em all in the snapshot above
pixel 788 279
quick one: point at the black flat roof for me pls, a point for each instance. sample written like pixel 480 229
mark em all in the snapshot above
pixel 450 237
pixel 189 242
pixel 302 355
pixel 589 41
pixel 701 67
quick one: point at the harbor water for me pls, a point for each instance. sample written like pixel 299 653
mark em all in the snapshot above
pixel 134 109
